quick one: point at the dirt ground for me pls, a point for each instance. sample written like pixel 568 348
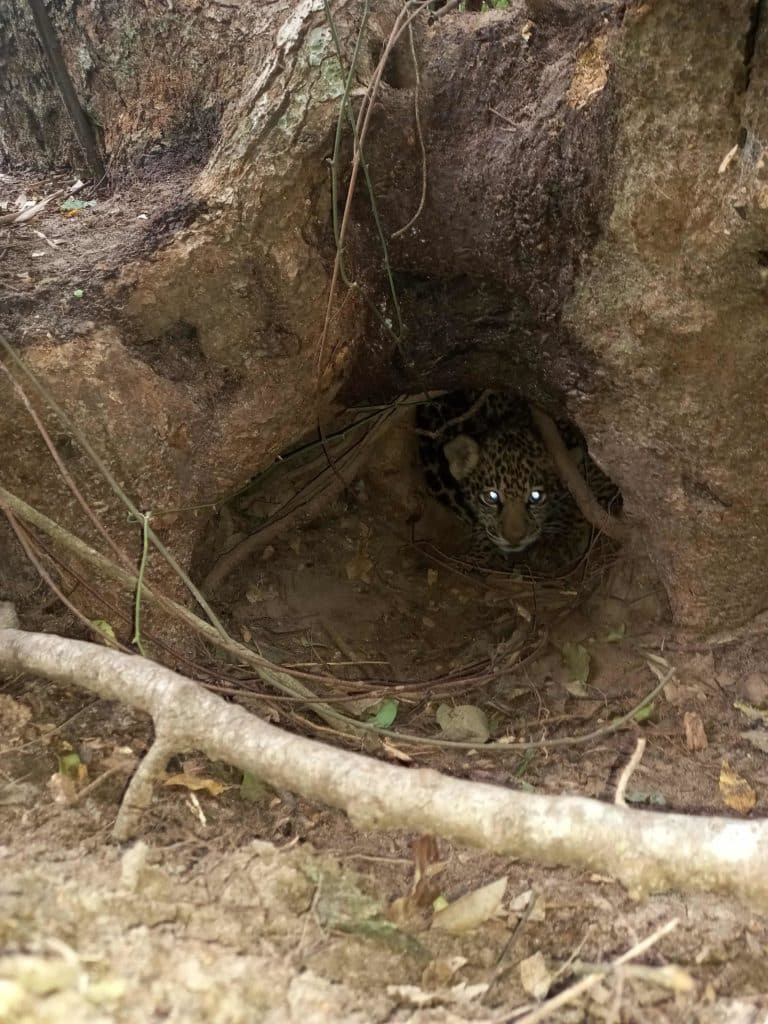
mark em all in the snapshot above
pixel 245 904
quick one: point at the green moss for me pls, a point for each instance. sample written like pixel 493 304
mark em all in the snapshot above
pixel 320 54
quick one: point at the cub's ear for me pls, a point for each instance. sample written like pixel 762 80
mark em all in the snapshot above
pixel 463 454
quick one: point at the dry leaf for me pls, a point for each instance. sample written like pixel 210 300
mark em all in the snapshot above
pixel 359 567
pixel 725 162
pixel 470 911
pixel 576 661
pixel 590 74
pixel 440 971
pixel 758 738
pixel 425 856
pixel 736 791
pixel 535 976
pixel 395 752
pixel 13 715
pixel 521 906
pixel 62 788
pixel 195 782
pixel 695 736
pixel 465 722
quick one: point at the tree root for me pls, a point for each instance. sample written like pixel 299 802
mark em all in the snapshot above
pixel 332 481
pixel 645 850
pixel 588 504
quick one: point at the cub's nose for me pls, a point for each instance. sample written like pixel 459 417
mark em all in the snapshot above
pixel 515 525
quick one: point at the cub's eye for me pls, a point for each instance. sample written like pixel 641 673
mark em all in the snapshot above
pixel 490 498
pixel 536 497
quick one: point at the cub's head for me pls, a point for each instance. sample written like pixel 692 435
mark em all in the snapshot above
pixel 511 486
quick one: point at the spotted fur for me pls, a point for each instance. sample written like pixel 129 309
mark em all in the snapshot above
pixel 483 457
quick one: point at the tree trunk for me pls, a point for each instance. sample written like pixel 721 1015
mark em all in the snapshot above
pixel 582 237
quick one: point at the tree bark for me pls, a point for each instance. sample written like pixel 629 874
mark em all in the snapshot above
pixel 582 234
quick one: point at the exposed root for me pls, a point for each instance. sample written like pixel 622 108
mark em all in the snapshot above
pixel 330 482
pixel 646 850
pixel 588 504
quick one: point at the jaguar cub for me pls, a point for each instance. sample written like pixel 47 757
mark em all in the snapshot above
pixel 483 457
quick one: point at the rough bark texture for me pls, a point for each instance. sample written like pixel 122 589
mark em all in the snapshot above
pixel 210 369
pixel 577 242
pixel 672 308
pixel 153 78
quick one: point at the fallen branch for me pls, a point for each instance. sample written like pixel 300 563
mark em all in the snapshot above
pixel 270 672
pixel 588 504
pixel 580 987
pixel 24 216
pixel 646 850
pixel 331 482
pixel 31 211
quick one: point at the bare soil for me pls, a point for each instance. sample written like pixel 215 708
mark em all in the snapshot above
pixel 250 905
pixel 55 267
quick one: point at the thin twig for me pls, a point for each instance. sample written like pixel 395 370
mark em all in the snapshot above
pixel 420 136
pixel 140 583
pixel 503 117
pixel 332 482
pixel 270 672
pixel 275 675
pixel 455 420
pixel 584 984
pixel 111 480
pixel 61 465
pixel 124 769
pixel 24 539
pixel 363 122
pixel 629 768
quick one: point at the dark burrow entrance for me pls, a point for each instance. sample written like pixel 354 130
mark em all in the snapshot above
pixel 338 562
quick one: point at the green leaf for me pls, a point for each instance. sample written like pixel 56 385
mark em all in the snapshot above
pixel 576 660
pixel 78 293
pixel 616 634
pixel 645 712
pixel 386 714
pixel 69 764
pixel 76 204
pixel 106 630
pixel 253 788
pixel 643 796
